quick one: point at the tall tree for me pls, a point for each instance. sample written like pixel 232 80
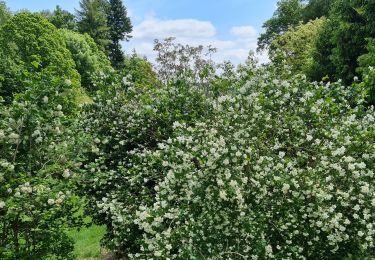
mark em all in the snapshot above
pixel 92 19
pixel 119 28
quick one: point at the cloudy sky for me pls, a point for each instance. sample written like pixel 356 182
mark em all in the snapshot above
pixel 232 26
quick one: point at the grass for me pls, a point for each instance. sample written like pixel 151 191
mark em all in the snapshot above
pixel 87 242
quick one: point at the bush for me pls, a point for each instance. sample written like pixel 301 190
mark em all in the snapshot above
pixel 124 119
pixel 274 169
pixel 39 157
pixel 31 48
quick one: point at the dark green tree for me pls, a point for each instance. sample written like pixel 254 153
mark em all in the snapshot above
pixel 316 9
pixel 119 28
pixel 63 19
pixel 92 19
pixel 343 40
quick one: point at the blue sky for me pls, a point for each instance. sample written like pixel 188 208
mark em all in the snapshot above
pixel 230 25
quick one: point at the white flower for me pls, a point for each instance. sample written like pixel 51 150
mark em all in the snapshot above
pixel 59 107
pixel 281 155
pixel 223 195
pixel 309 137
pixel 50 201
pixel 66 173
pixel 285 188
pixel 226 161
pixel 2 204
pixel 365 189
pixel 13 136
pixel 165 163
pixel 339 151
pixel 68 82
pixel 45 99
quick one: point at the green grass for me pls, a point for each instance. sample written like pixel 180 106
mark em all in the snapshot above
pixel 87 241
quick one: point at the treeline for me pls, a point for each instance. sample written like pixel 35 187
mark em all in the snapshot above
pixel 324 39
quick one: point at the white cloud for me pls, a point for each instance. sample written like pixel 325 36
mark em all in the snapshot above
pixel 180 28
pixel 194 32
pixel 245 32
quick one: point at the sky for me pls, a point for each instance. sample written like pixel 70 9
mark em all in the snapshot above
pixel 232 26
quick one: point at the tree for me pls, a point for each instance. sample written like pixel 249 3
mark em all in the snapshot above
pixel 296 47
pixel 63 19
pixel 119 28
pixel 30 48
pixel 343 39
pixel 287 14
pixel 5 14
pixel 316 9
pixel 91 63
pixel 92 19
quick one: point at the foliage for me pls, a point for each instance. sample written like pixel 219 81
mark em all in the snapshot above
pixel 287 14
pixel 295 47
pixel 176 61
pixel 366 69
pixel 31 48
pixel 92 19
pixel 316 8
pixel 62 19
pixel 344 39
pixel 39 157
pixel 140 72
pixel 368 59
pixel 91 63
pixel 5 13
pixel 274 168
pixel 119 29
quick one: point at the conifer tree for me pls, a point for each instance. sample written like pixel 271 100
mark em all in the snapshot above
pixel 92 19
pixel 119 28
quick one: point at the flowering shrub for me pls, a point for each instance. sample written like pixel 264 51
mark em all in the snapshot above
pixel 272 169
pixel 38 157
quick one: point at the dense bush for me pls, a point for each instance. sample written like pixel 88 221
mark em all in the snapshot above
pixel 31 47
pixel 122 120
pixel 91 63
pixel 38 156
pixel 274 168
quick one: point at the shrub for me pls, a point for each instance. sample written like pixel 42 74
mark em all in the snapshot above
pixel 274 169
pixel 124 119
pixel 38 159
